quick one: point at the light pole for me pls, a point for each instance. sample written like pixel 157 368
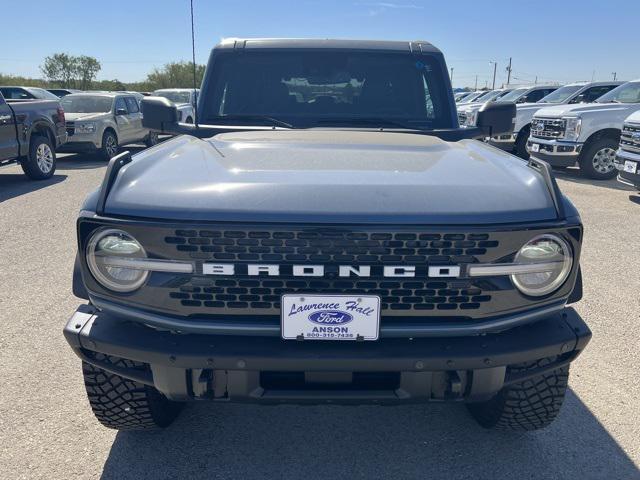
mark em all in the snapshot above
pixel 495 66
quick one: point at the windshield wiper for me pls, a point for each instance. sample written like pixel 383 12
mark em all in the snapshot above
pixel 377 122
pixel 252 118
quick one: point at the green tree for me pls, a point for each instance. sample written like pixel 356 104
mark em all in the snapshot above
pixel 86 70
pixel 59 68
pixel 68 71
pixel 175 75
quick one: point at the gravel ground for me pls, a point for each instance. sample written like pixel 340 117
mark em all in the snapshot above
pixel 48 431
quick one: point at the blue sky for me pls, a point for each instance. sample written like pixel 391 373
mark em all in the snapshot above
pixel 556 40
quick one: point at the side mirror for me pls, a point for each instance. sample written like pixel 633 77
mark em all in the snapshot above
pixel 496 118
pixel 121 111
pixel 160 114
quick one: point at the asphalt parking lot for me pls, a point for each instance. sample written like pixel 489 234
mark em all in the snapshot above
pixel 47 429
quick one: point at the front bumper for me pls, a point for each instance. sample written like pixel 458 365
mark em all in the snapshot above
pixel 628 178
pixel 558 153
pixel 272 370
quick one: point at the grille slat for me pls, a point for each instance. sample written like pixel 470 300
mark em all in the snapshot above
pixel 630 138
pixel 548 127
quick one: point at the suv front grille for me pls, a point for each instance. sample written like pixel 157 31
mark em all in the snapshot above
pixel 548 127
pixel 71 128
pixel 331 247
pixel 462 118
pixel 630 138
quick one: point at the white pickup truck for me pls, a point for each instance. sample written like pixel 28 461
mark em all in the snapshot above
pixel 628 157
pixel 184 98
pixel 467 115
pixel 572 93
pixel 587 135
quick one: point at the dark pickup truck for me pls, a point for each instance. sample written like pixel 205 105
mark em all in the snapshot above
pixel 327 233
pixel 30 132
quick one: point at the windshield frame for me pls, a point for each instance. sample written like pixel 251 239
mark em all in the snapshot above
pixel 445 119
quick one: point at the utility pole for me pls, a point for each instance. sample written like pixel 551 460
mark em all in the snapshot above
pixel 451 76
pixel 476 87
pixel 509 72
pixel 615 74
pixel 536 80
pixel 593 75
pixel 495 66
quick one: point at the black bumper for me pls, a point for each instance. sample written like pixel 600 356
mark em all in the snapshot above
pixel 271 370
pixel 631 179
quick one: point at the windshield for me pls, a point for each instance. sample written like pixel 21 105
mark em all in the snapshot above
pixel 86 104
pixel 41 93
pixel 471 97
pixel 561 95
pixel 490 95
pixel 513 95
pixel 175 96
pixel 328 88
pixel 626 93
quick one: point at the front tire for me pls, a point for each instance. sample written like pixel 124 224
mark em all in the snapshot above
pixel 152 139
pixel 521 143
pixel 530 405
pixel 598 160
pixel 109 145
pixel 40 164
pixel 123 404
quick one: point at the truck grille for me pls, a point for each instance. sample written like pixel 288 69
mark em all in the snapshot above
pixel 548 127
pixel 71 128
pixel 630 138
pixel 462 118
pixel 329 247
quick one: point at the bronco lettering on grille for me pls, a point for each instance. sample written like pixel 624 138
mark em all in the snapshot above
pixel 275 270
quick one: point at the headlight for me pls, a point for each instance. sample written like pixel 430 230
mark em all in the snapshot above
pixel 470 121
pixel 549 259
pixel 572 130
pixel 87 127
pixel 111 256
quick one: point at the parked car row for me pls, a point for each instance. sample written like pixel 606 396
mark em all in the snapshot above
pixel 577 124
pixel 35 123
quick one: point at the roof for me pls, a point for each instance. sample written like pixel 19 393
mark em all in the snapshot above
pixel 99 94
pixel 309 43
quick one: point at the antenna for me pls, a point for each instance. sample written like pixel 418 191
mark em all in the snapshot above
pixel 193 54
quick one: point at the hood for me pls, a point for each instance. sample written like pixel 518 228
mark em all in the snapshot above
pixel 530 106
pixel 583 108
pixel 330 176
pixel 75 117
pixel 634 117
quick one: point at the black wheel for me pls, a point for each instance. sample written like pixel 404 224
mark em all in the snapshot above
pixel 109 145
pixel 597 161
pixel 124 404
pixel 189 120
pixel 152 139
pixel 521 143
pixel 40 164
pixel 529 405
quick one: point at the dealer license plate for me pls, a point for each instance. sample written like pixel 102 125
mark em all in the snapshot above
pixel 630 166
pixel 330 317
pixel 535 147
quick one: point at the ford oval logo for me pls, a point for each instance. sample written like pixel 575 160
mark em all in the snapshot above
pixel 330 317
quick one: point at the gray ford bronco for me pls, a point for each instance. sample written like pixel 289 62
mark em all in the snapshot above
pixel 327 233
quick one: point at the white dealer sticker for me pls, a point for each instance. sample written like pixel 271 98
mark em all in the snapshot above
pixel 330 317
pixel 630 166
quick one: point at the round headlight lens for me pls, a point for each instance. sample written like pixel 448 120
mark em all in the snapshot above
pixel 551 251
pixel 105 252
